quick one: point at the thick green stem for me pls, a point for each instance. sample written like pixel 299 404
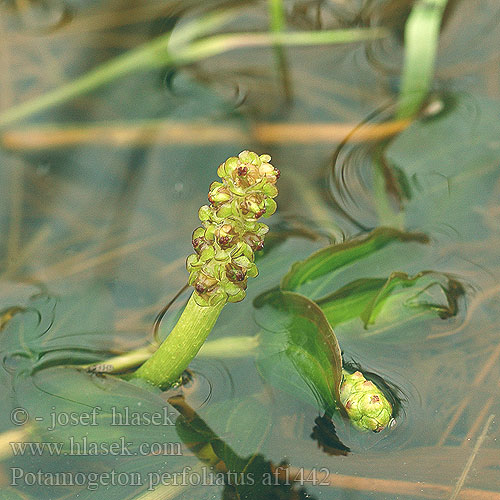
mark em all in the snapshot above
pixel 166 365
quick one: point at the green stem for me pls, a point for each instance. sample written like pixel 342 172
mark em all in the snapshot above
pixel 277 15
pixel 144 57
pixel 421 43
pixel 218 44
pixel 226 347
pixel 386 214
pixel 277 25
pixel 231 347
pixel 166 365
pixel 154 54
pixel 150 55
pixel 123 362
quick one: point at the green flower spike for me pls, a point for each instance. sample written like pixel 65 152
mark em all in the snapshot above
pixel 230 232
pixel 366 405
pixel 224 260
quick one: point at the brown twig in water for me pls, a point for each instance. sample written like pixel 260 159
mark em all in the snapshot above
pixel 468 465
pixel 480 417
pixel 388 486
pixel 168 132
pixel 492 360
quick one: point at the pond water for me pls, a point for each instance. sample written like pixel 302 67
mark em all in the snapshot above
pixel 99 194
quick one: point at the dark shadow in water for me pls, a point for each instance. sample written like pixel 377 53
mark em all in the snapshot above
pixel 325 434
pixel 252 478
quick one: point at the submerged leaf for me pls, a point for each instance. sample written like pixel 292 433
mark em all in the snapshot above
pixel 117 410
pixel 397 299
pixel 331 259
pixel 449 288
pixel 300 352
pixel 350 301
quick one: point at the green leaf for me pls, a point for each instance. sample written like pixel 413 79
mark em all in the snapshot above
pixel 300 353
pixel 417 300
pixel 331 259
pixel 350 301
pixel 394 300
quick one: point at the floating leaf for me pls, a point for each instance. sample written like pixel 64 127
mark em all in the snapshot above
pixel 331 259
pixel 300 353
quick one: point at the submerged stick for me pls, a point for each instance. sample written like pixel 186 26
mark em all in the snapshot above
pixel 470 461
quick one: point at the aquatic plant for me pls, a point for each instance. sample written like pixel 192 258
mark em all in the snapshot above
pixel 219 269
pixel 223 260
pixel 366 405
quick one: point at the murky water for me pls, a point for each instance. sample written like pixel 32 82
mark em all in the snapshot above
pixel 99 194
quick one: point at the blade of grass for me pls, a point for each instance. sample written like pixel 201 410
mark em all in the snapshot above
pixel 277 25
pixel 421 44
pixel 164 131
pixel 158 53
pixel 472 457
pixel 147 56
pixel 218 44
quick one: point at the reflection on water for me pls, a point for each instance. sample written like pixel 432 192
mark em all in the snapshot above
pixel 99 195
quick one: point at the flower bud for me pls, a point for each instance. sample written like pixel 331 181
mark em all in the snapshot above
pixel 204 213
pixel 365 403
